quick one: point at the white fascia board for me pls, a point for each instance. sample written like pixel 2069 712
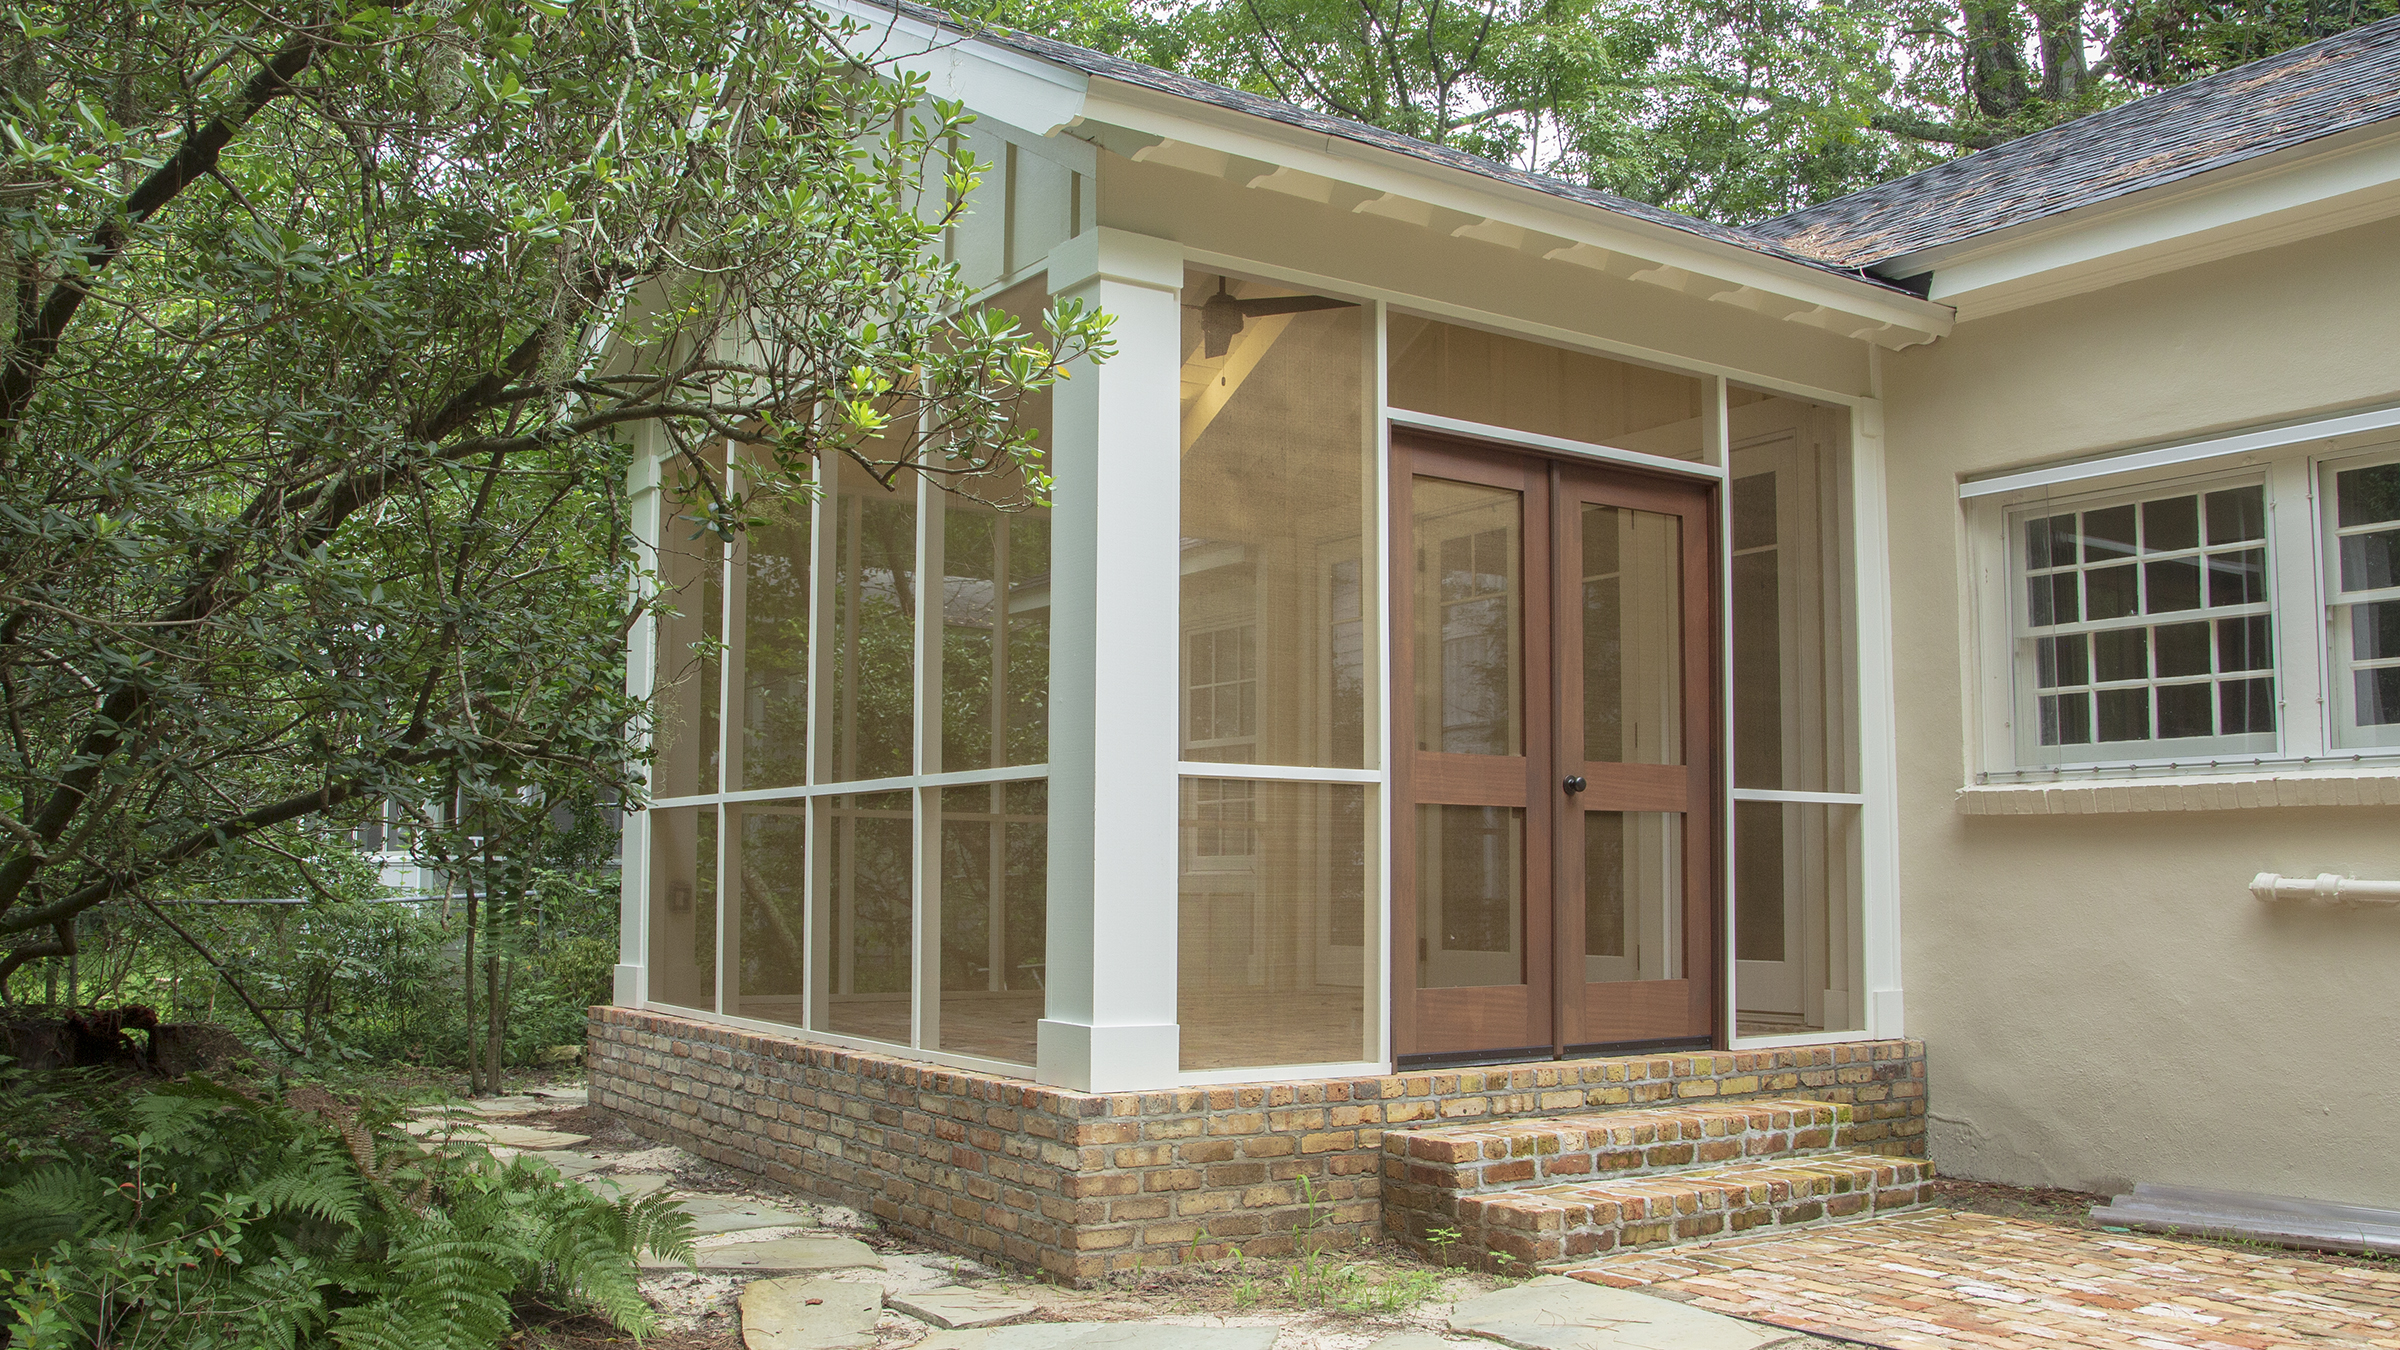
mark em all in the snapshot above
pixel 1010 86
pixel 2117 462
pixel 2309 190
pixel 1384 171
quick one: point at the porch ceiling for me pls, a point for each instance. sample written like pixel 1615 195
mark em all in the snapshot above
pixel 1150 127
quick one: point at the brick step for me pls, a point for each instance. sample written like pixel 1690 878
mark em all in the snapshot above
pixel 1548 1225
pixel 1419 1165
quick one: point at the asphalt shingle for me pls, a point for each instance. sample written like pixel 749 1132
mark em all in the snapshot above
pixel 2349 80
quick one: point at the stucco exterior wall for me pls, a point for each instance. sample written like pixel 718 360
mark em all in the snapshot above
pixel 2105 1000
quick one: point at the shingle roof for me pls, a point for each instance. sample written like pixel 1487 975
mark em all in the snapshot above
pixel 2349 80
pixel 1104 66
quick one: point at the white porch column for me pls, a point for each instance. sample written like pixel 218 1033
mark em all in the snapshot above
pixel 631 984
pixel 1878 750
pixel 1115 572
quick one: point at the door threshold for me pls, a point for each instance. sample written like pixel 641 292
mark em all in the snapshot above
pixel 1602 1050
pixel 1454 1059
pixel 1541 1054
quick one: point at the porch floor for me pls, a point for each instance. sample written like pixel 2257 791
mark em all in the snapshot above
pixel 1222 1030
pixel 1947 1279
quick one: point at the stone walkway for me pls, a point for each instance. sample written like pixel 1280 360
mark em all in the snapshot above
pixel 1945 1279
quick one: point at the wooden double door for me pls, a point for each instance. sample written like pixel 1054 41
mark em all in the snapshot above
pixel 1556 839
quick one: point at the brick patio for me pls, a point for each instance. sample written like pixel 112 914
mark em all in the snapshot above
pixel 1945 1279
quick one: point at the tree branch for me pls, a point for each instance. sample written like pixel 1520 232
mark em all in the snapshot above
pixel 30 354
pixel 223 974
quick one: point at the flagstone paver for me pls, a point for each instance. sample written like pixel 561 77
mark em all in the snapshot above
pixel 1554 1314
pixel 711 1214
pixel 963 1307
pixel 778 1257
pixel 790 1314
pixel 625 1185
pixel 1104 1336
pixel 1941 1279
pixel 569 1162
pixel 495 1134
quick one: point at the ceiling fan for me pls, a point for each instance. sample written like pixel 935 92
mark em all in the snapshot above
pixel 1223 316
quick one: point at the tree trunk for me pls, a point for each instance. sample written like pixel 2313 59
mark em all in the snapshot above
pixel 467 964
pixel 2065 70
pixel 493 1016
pixel 1994 57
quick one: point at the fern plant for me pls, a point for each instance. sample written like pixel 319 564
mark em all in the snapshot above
pixel 194 1215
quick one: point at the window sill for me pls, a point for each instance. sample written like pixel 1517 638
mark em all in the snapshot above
pixel 2211 792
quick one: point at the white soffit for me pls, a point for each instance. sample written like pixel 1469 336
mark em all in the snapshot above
pixel 1269 156
pixel 2309 190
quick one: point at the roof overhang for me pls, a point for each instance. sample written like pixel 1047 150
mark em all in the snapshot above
pixel 1024 91
pixel 2306 190
pixel 1260 153
pixel 1270 156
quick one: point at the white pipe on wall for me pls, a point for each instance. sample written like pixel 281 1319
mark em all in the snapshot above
pixel 2269 888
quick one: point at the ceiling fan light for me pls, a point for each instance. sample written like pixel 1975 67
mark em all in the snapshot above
pixel 1220 320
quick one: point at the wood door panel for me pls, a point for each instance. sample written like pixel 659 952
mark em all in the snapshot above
pixel 1610 1012
pixel 1468 780
pixel 1556 1004
pixel 1637 1010
pixel 1490 1018
pixel 1637 787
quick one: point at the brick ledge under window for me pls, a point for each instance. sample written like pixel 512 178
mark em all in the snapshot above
pixel 2213 792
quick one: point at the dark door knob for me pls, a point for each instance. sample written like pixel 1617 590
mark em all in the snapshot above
pixel 1574 784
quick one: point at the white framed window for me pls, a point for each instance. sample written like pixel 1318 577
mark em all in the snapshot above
pixel 1220 833
pixel 2361 548
pixel 2143 628
pixel 1221 693
pixel 2196 619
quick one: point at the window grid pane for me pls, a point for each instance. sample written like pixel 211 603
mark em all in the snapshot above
pixel 2145 625
pixel 2363 573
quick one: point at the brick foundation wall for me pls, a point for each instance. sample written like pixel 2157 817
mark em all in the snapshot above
pixel 1080 1185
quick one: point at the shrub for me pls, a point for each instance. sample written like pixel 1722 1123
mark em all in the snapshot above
pixel 194 1215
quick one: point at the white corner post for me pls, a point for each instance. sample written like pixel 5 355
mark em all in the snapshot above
pixel 631 986
pixel 1115 577
pixel 1878 751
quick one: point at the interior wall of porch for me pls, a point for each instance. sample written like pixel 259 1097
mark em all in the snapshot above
pixel 1221 216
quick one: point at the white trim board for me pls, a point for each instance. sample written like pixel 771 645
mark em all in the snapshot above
pixel 1010 86
pixel 2186 452
pixel 1481 207
pixel 1510 438
pixel 1492 321
pixel 1234 771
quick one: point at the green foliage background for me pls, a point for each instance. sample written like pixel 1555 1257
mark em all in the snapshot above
pixel 1732 110
pixel 195 1215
